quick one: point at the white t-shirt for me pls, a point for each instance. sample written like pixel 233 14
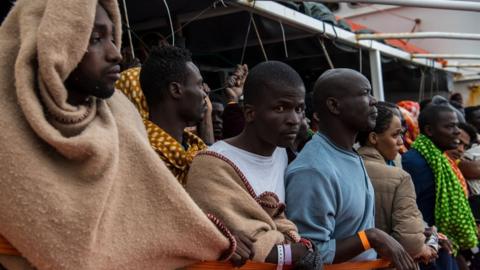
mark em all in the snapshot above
pixel 263 173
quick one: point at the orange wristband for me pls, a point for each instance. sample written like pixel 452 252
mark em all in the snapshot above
pixel 363 237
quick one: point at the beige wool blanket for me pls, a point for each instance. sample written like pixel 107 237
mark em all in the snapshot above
pixel 219 187
pixel 82 188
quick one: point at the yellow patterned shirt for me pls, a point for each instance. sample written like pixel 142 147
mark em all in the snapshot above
pixel 175 156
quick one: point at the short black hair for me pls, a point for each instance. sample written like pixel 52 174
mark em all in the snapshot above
pixel 429 115
pixel 469 111
pixel 397 112
pixel 470 130
pixel 163 66
pixel 424 103
pixel 385 115
pixel 266 76
pixel 455 96
pixel 395 109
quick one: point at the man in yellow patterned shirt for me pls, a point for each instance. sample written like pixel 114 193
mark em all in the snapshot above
pixel 171 97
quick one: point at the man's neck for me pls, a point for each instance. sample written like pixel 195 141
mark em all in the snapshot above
pixel 249 141
pixel 166 118
pixel 75 98
pixel 433 142
pixel 340 135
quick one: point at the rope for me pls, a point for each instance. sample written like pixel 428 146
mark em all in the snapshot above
pixel 334 31
pixel 217 89
pixel 284 39
pixel 171 23
pixel 221 1
pixel 330 63
pixel 213 5
pixel 193 19
pixel 259 39
pixel 128 27
pixel 323 29
pixel 140 40
pixel 246 39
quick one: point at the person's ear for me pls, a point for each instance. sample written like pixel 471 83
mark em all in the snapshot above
pixel 175 90
pixel 333 105
pixel 249 113
pixel 429 131
pixel 373 138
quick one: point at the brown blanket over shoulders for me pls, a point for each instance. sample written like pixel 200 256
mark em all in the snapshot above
pixel 220 188
pixel 81 188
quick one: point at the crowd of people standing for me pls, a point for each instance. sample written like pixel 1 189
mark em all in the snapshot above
pixel 145 169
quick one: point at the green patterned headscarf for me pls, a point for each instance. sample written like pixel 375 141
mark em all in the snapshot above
pixel 453 215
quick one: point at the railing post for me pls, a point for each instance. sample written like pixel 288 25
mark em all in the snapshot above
pixel 376 75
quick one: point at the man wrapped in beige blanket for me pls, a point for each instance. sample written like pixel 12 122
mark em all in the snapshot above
pixel 80 186
pixel 241 179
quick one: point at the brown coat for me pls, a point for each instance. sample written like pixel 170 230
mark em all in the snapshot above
pixel 220 188
pixel 396 210
pixel 80 186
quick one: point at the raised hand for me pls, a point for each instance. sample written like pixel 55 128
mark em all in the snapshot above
pixel 235 82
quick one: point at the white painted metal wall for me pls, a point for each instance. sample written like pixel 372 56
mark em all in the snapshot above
pixel 296 19
pixel 401 19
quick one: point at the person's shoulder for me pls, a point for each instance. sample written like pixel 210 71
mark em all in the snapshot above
pixel 212 161
pixel 219 147
pixel 387 178
pixel 309 171
pixel 121 106
pixel 384 170
pixel 411 153
pixel 299 167
pixel 417 167
pixel 212 169
pixel 312 152
pixel 281 156
pixel 280 152
pixel 412 157
pixel 226 150
pixel 126 115
pixel 127 77
pixel 133 72
pixel 306 160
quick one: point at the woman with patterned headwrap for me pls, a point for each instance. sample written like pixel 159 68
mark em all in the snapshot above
pixel 410 111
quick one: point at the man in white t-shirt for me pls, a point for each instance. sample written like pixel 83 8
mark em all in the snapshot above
pixel 241 180
pixel 264 173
